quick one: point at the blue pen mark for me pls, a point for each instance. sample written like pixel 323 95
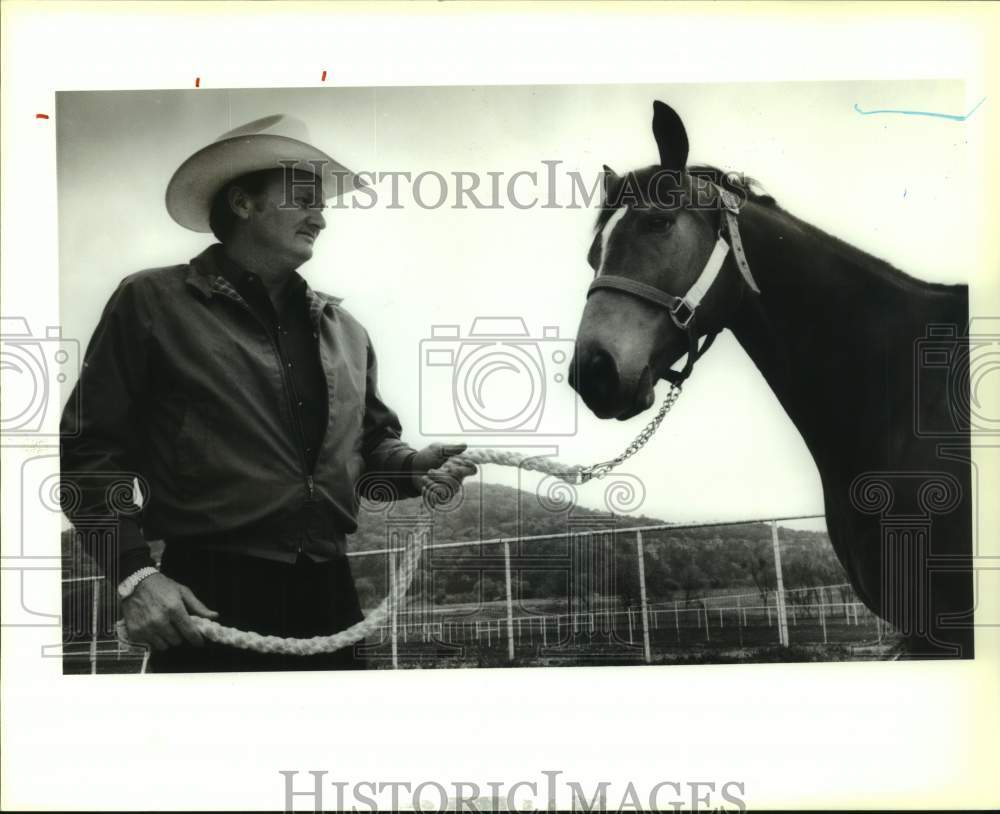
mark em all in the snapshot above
pixel 951 116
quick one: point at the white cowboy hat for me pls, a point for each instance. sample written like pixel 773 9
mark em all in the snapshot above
pixel 259 145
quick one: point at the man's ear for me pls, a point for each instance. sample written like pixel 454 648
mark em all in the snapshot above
pixel 240 202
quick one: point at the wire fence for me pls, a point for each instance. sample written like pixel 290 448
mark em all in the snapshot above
pixel 613 604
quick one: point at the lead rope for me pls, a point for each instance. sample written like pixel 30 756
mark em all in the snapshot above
pixel 246 640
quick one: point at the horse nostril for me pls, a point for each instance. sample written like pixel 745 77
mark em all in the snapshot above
pixel 601 366
pixel 597 378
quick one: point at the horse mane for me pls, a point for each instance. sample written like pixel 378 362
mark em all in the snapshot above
pixel 741 185
pixel 750 190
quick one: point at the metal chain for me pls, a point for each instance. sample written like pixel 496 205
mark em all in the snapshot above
pixel 600 470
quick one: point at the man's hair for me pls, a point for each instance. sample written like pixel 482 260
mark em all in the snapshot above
pixel 221 217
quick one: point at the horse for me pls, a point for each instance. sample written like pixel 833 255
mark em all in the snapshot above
pixel 870 364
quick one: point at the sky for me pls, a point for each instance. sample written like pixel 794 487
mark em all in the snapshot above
pixel 891 185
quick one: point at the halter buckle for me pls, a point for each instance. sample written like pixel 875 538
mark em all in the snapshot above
pixel 729 200
pixel 682 314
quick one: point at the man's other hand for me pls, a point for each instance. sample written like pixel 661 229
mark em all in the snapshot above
pixel 159 613
pixel 436 467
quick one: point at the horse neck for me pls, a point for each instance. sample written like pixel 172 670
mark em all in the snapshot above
pixel 828 324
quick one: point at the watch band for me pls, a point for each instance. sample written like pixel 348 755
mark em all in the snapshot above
pixel 131 582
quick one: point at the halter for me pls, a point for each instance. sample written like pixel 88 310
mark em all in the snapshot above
pixel 682 309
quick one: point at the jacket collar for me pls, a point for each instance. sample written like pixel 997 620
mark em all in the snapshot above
pixel 205 276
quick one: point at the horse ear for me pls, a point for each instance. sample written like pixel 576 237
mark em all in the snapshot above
pixel 607 182
pixel 671 137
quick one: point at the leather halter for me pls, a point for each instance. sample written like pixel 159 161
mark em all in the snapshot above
pixel 682 309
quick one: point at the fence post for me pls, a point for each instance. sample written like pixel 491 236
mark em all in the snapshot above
pixel 94 624
pixel 780 591
pixel 640 554
pixel 394 610
pixel 677 622
pixel 510 602
pixel 822 619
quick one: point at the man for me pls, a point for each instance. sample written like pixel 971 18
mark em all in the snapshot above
pixel 247 404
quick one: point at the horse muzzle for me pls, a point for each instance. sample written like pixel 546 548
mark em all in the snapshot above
pixel 596 375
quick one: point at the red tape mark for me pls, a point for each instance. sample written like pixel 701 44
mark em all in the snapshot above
pixel 41 115
pixel 324 77
pixel 197 82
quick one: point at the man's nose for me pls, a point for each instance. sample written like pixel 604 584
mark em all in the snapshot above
pixel 316 218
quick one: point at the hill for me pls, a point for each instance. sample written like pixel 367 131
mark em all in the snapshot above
pixel 680 565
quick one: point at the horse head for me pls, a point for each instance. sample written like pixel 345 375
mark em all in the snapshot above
pixel 660 281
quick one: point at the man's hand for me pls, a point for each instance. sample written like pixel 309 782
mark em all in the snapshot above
pixel 436 468
pixel 159 613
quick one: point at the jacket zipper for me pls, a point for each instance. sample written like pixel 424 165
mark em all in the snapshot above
pixel 286 387
pixel 297 429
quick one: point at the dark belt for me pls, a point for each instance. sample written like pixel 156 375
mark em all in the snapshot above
pixel 270 542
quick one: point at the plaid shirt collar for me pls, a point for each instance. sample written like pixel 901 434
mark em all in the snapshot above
pixel 213 272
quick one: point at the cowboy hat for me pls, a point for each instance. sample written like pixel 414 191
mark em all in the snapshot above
pixel 263 144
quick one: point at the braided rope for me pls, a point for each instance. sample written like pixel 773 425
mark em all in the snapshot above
pixel 246 640
pixel 317 645
pixel 536 463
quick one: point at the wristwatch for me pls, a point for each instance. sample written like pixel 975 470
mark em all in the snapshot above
pixel 131 582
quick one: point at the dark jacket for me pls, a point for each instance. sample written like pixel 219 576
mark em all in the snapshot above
pixel 183 388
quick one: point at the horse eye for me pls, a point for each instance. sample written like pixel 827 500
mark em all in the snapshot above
pixel 660 223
